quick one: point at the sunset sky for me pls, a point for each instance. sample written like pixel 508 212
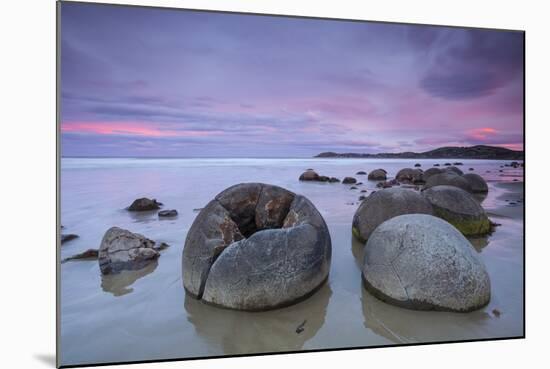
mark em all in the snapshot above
pixel 152 82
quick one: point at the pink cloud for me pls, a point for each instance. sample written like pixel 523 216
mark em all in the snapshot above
pixel 131 129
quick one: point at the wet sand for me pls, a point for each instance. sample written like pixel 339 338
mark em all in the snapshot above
pixel 147 315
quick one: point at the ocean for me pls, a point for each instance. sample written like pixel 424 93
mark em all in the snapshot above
pixel 146 314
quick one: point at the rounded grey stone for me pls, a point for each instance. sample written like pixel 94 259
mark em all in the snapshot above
pixel 386 204
pixel 377 175
pixel 421 262
pixel 477 183
pixel 448 178
pixel 409 175
pixel 281 256
pixel 309 175
pixel 459 208
pixel 431 171
pixel 454 170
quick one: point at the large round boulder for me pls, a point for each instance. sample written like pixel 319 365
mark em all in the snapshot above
pixel 431 172
pixel 421 262
pixel 448 179
pixel 409 175
pixel 309 175
pixel 459 208
pixel 386 204
pixel 256 247
pixel 121 250
pixel 454 170
pixel 377 175
pixel 477 183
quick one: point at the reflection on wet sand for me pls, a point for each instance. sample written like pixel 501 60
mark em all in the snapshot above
pixel 479 243
pixel 412 326
pixel 239 332
pixel 357 249
pixel 118 284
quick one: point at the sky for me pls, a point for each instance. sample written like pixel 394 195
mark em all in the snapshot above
pixel 143 82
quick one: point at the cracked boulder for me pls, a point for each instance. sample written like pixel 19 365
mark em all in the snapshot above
pixel 123 250
pixel 421 262
pixel 256 247
pixel 386 204
pixel 459 208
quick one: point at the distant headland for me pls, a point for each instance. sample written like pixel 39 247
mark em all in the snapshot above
pixel 472 152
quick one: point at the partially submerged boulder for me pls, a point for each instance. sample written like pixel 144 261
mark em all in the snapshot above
pixel 144 204
pixel 459 208
pixel 421 262
pixel 409 175
pixel 386 204
pixel 477 183
pixel 68 237
pixel 256 247
pixel 309 175
pixel 448 178
pixel 349 180
pixel 168 213
pixel 377 175
pixel 123 250
pixel 361 173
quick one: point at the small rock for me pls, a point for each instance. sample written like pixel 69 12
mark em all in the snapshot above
pixel 377 175
pixel 88 254
pixel 359 183
pixel 349 180
pixel 361 198
pixel 361 173
pixel 161 246
pixel 470 168
pixel 333 180
pixel 300 328
pixel 417 165
pixel 144 204
pixel 353 188
pixel 123 250
pixel 168 213
pixel 457 163
pixel 68 237
pixel 496 313
pixel 197 209
pixel 363 191
pixel 309 175
pixel 436 165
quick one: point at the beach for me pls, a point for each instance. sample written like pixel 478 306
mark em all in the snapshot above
pixel 147 315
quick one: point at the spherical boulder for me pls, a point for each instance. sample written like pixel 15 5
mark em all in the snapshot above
pixel 309 175
pixel 121 250
pixel 477 183
pixel 349 180
pixel 377 175
pixel 409 175
pixel 459 208
pixel 430 172
pixel 448 178
pixel 386 204
pixel 454 170
pixel 421 262
pixel 256 247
